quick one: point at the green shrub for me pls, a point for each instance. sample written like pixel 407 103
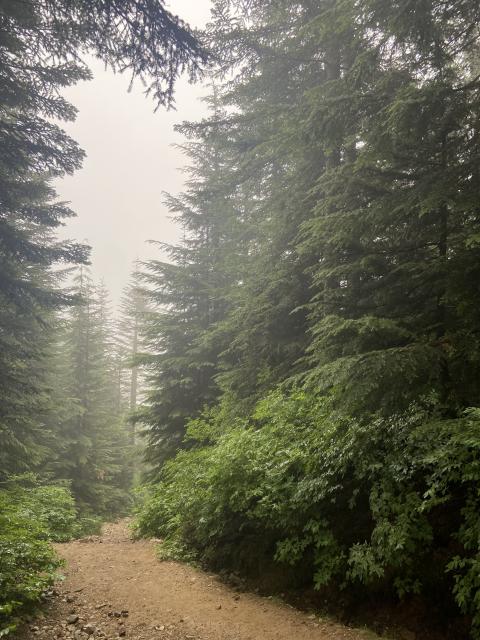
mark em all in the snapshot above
pixel 88 524
pixel 31 516
pixel 51 506
pixel 391 504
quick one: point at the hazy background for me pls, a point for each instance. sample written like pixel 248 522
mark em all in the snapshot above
pixel 117 195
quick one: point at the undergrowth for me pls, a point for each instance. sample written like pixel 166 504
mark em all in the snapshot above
pixel 32 516
pixel 388 503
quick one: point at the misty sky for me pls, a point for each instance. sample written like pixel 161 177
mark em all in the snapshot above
pixel 117 195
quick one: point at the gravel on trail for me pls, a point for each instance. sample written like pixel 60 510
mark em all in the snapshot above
pixel 115 587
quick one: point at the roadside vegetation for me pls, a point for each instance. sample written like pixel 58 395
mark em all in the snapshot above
pixel 304 364
pixel 314 348
pixel 65 442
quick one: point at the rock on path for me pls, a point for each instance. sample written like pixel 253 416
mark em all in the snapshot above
pixel 116 588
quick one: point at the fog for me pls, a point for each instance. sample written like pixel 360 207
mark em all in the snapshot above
pixel 130 161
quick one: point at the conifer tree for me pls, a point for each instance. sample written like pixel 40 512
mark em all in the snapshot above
pixel 42 48
pixel 133 308
pixel 394 228
pixel 93 440
pixel 188 294
pixel 351 133
pixel 278 169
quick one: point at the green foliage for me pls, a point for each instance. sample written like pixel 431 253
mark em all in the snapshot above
pixel 42 49
pixel 51 506
pixel 172 550
pixel 316 351
pixel 391 502
pixel 88 524
pixel 182 333
pixel 92 440
pixel 58 414
pixel 31 516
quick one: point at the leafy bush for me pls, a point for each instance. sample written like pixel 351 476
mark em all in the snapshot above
pixel 389 503
pixel 51 506
pixel 88 524
pixel 30 517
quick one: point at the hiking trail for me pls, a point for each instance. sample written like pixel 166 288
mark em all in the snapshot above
pixel 116 587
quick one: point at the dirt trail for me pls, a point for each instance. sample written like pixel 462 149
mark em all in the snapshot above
pixel 112 574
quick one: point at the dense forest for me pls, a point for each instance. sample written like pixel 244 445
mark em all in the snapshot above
pixel 309 353
pixel 66 385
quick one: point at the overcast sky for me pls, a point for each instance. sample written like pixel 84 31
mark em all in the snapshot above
pixel 117 195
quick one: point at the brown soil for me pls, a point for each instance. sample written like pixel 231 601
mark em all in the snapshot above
pixel 118 588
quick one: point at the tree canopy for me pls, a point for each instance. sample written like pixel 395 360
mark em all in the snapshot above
pixel 342 432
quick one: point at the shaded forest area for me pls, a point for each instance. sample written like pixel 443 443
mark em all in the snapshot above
pixel 66 460
pixel 310 350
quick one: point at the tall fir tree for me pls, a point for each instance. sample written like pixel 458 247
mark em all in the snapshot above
pixel 93 441
pixel 351 130
pixel 42 48
pixel 393 231
pixel 130 348
pixel 188 293
pixel 276 52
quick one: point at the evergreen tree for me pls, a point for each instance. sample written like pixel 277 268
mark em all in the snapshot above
pixel 278 52
pixel 92 438
pixel 352 184
pixel 42 45
pixel 133 308
pixel 393 231
pixel 350 131
pixel 189 293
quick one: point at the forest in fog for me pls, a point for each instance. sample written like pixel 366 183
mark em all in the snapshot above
pixel 292 393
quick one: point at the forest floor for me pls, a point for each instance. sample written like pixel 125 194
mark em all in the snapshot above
pixel 115 587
